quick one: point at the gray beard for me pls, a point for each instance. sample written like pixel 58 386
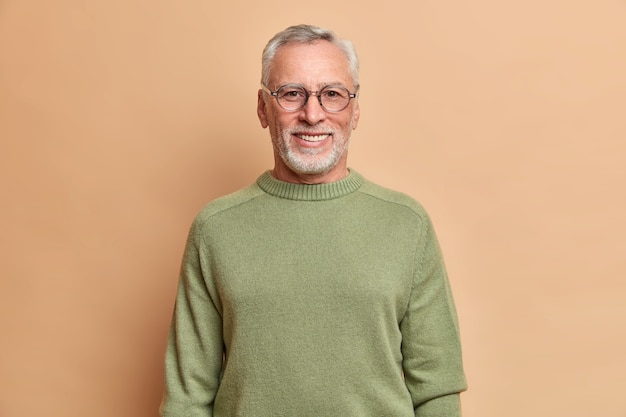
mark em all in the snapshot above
pixel 305 161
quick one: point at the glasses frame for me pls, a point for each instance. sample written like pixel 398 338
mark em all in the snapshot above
pixel 308 94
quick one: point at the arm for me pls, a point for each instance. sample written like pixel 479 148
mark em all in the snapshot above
pixel 431 346
pixel 193 359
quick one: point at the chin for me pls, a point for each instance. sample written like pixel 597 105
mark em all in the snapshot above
pixel 311 167
pixel 310 170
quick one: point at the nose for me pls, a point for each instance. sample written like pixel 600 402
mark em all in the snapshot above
pixel 312 112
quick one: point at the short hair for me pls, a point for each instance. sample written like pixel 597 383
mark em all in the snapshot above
pixel 307 34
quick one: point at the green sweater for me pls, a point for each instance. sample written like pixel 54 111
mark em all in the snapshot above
pixel 326 300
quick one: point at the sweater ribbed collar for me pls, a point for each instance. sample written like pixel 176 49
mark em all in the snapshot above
pixel 310 192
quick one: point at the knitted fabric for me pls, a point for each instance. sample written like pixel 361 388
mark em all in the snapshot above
pixel 327 300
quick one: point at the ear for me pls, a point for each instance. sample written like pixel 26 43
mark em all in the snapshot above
pixel 355 115
pixel 261 109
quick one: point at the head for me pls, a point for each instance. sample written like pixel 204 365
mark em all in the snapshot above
pixel 310 143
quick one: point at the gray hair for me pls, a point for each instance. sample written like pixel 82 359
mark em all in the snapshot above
pixel 307 34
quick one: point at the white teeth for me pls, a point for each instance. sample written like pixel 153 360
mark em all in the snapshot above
pixel 316 138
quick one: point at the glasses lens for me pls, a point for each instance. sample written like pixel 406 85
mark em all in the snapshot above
pixel 335 98
pixel 291 98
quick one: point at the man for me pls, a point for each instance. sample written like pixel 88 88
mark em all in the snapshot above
pixel 312 292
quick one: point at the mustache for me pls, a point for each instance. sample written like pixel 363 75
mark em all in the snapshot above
pixel 321 130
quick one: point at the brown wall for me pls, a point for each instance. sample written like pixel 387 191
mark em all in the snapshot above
pixel 120 119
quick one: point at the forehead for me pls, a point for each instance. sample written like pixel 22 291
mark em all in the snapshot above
pixel 310 64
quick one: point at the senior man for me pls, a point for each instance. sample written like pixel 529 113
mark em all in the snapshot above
pixel 312 292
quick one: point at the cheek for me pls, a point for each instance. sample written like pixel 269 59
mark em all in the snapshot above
pixel 280 122
pixel 276 128
pixel 275 124
pixel 347 124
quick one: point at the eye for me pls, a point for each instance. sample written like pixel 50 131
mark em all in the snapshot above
pixel 335 93
pixel 291 93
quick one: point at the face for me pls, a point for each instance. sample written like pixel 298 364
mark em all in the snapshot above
pixel 310 144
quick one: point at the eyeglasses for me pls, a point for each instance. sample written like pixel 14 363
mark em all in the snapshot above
pixel 292 97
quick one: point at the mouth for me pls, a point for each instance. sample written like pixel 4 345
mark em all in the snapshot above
pixel 313 138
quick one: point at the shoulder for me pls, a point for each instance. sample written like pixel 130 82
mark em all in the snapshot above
pixel 394 199
pixel 227 203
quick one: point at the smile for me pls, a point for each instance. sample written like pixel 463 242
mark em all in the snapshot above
pixel 313 138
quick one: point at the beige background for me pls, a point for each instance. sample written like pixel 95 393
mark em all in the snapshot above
pixel 119 120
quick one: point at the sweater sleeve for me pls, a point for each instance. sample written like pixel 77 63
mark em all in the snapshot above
pixel 193 359
pixel 431 348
